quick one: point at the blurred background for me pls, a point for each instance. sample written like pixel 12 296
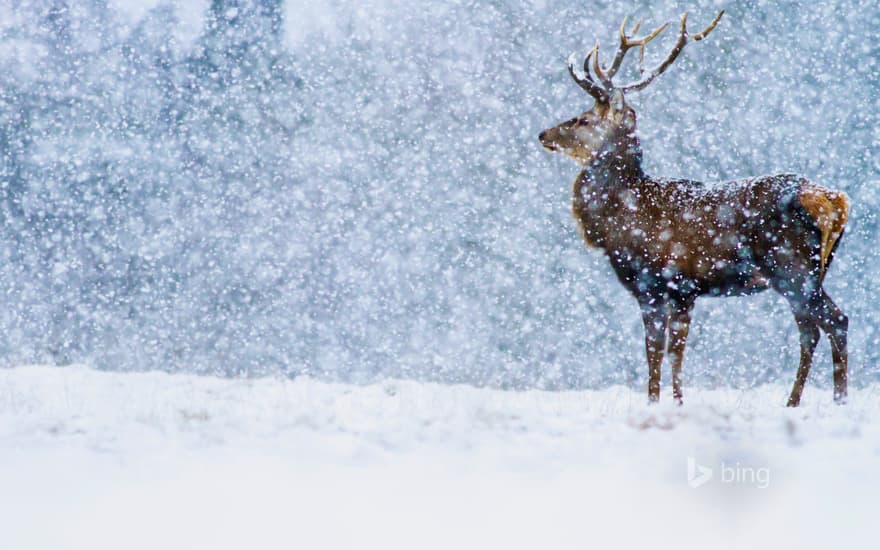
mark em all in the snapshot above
pixel 354 189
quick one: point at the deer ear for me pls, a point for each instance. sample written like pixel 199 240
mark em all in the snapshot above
pixel 628 119
pixel 617 102
pixel 621 112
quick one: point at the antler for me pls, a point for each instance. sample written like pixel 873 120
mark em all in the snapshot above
pixel 626 42
pixel 587 83
pixel 602 92
pixel 679 45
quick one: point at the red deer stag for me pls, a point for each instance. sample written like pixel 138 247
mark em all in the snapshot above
pixel 670 241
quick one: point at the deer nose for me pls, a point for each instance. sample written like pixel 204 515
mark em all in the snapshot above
pixel 541 135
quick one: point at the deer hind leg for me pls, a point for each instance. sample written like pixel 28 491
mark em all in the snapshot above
pixel 829 211
pixel 835 324
pixel 656 319
pixel 819 311
pixel 679 324
pixel 809 337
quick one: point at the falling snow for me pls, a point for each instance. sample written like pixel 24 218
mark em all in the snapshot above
pixel 350 196
pixel 356 191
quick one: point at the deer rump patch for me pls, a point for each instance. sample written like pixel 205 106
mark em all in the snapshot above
pixel 829 210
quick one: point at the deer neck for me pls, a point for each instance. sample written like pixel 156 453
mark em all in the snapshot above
pixel 602 189
pixel 618 165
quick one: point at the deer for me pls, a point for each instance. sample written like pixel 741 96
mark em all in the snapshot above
pixel 671 241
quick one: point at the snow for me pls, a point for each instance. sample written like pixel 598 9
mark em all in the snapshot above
pixel 94 459
pixel 346 204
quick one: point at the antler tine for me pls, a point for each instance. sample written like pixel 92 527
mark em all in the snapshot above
pixel 606 80
pixel 593 50
pixel 652 36
pixel 635 29
pixel 676 50
pixel 587 83
pixel 710 28
pixel 626 43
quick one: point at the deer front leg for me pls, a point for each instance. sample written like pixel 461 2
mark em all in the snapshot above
pixel 655 319
pixel 679 324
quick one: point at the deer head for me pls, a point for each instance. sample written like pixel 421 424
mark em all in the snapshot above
pixel 609 126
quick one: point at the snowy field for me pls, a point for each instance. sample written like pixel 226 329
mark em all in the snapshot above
pixel 97 460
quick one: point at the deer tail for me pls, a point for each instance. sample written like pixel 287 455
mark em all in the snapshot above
pixel 829 210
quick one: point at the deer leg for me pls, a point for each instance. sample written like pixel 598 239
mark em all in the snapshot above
pixel 655 319
pixel 809 336
pixel 679 323
pixel 835 324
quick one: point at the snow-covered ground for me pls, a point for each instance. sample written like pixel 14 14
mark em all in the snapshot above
pixel 99 460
